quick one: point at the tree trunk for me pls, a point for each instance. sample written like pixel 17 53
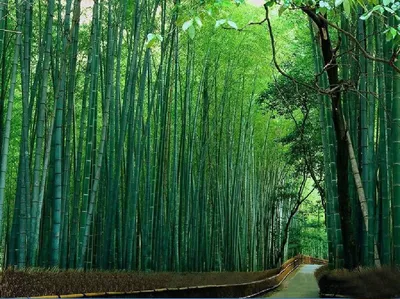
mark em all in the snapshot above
pixel 342 153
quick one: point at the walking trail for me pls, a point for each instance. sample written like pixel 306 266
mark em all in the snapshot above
pixel 300 284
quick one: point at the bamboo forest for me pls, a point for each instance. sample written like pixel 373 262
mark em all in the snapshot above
pixel 199 136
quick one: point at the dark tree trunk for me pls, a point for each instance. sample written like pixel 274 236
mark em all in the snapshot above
pixel 342 153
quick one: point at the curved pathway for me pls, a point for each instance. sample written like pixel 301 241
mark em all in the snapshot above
pixel 300 284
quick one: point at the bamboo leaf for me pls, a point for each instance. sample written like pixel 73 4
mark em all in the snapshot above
pixel 151 40
pixel 187 25
pixel 233 25
pixel 191 32
pixel 378 7
pixel 393 32
pixel 347 7
pixel 198 21
pixel 219 23
pixel 282 9
pixel 159 37
pixel 338 2
pixel 366 16
pixel 388 9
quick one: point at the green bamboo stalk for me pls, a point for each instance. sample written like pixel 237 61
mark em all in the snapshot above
pixel 83 220
pixel 67 159
pixel 25 79
pixel 384 173
pixel 7 127
pixel 395 149
pixel 3 61
pixel 129 95
pixel 78 166
pixel 100 158
pixel 58 140
pixel 12 240
pixel 371 183
pixel 36 203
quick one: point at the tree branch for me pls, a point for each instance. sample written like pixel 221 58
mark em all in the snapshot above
pixel 361 48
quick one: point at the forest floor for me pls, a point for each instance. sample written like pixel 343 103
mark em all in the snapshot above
pixel 300 284
pixel 33 282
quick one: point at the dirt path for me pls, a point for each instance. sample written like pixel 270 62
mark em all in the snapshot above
pixel 300 284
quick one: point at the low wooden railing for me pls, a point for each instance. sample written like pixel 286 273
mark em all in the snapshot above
pixel 242 290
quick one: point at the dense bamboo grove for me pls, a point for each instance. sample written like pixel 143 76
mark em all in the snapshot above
pixel 362 192
pixel 142 135
pixel 127 145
